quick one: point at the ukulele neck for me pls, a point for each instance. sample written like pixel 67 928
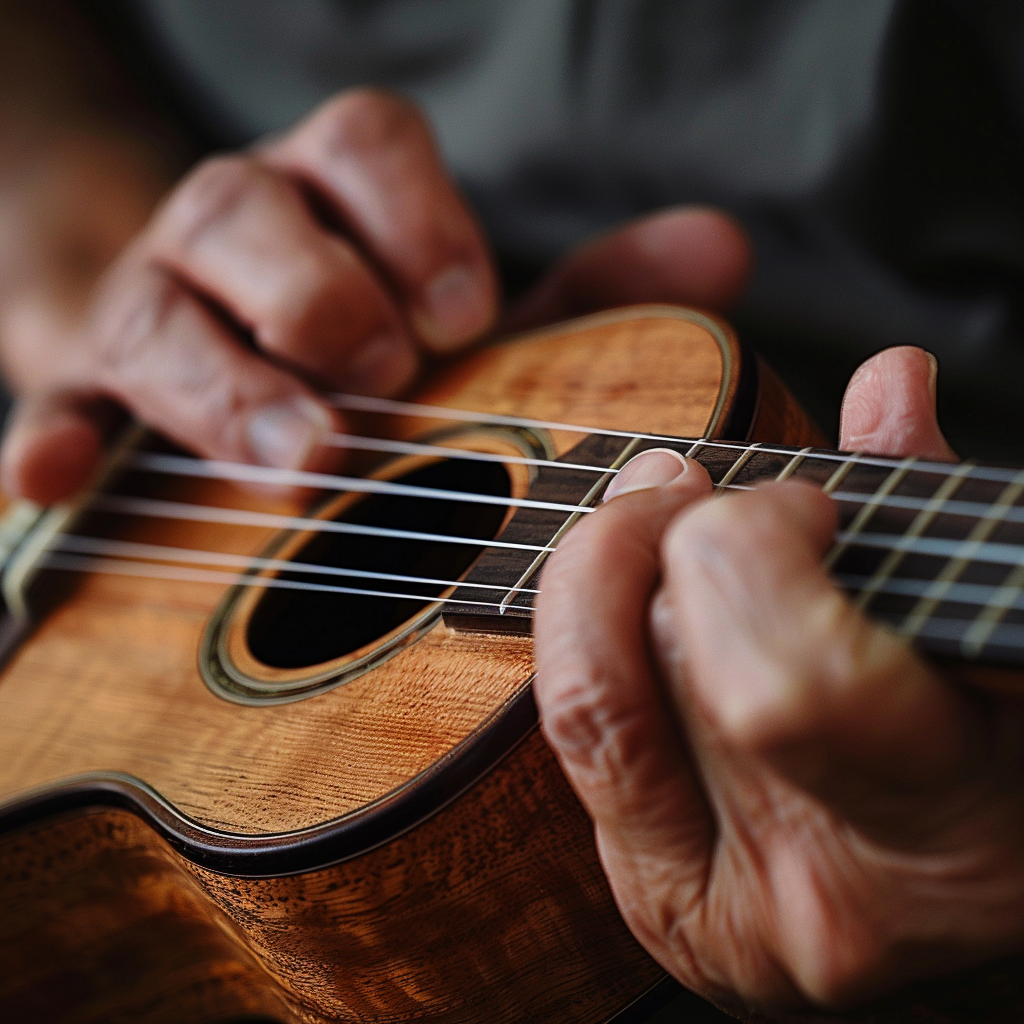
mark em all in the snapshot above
pixel 933 550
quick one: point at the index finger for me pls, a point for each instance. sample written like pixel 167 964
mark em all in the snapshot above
pixel 601 708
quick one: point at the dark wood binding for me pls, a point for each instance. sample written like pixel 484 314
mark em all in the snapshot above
pixel 502 884
pixel 337 855
pixel 403 848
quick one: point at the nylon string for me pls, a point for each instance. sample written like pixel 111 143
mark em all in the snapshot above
pixel 76 553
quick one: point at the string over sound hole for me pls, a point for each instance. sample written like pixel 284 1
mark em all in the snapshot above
pixel 292 629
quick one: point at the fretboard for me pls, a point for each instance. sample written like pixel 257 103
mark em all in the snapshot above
pixel 933 550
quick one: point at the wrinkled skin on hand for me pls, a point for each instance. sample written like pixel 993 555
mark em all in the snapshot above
pixel 339 256
pixel 791 807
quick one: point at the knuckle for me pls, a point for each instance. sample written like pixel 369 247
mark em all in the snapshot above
pixel 366 122
pixel 832 972
pixel 327 308
pixel 698 541
pixel 132 339
pixel 313 300
pixel 219 409
pixel 137 313
pixel 595 734
pixel 209 195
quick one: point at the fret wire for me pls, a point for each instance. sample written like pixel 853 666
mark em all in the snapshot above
pixel 791 467
pixel 990 618
pixel 738 464
pixel 920 523
pixel 891 482
pixel 954 568
pixel 620 460
pixel 78 544
pixel 841 473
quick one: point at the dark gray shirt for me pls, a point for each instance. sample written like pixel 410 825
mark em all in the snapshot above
pixel 872 148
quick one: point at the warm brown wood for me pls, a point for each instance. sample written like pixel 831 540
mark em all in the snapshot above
pixel 780 419
pixel 504 884
pixel 494 908
pixel 109 681
pixel 99 924
pixel 432 927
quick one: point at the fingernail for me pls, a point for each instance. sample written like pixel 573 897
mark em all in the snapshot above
pixel 648 469
pixel 283 435
pixel 382 366
pixel 456 308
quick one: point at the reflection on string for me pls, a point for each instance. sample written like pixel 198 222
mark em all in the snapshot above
pixel 77 544
pixel 151 570
pixel 160 509
pixel 967 594
pixel 390 406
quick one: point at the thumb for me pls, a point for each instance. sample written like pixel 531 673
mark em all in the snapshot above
pixel 52 444
pixel 889 407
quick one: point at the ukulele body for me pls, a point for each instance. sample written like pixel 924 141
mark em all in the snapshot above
pixel 399 846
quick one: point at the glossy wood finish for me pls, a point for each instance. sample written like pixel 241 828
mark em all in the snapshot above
pixel 100 924
pixel 493 908
pixel 109 681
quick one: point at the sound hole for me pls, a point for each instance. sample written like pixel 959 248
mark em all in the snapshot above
pixel 296 629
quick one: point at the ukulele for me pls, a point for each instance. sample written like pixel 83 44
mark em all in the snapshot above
pixel 269 747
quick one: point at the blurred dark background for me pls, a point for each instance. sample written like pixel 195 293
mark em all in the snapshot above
pixel 873 150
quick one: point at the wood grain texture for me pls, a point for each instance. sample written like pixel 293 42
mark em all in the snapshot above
pixel 99 924
pixel 478 914
pixel 494 908
pixel 780 418
pixel 110 682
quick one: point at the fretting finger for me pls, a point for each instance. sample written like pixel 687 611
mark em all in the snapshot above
pixel 601 708
pixel 785 668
